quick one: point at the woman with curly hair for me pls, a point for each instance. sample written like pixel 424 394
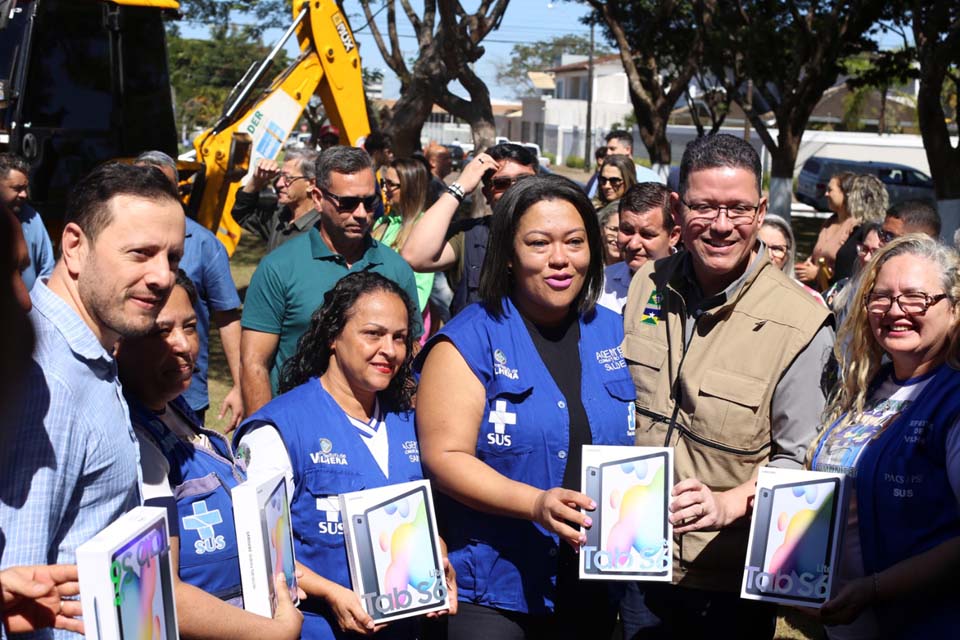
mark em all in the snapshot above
pixel 343 422
pixel 894 432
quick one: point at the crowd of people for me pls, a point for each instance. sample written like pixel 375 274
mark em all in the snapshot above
pixel 408 328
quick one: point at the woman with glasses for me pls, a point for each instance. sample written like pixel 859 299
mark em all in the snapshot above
pixel 618 175
pixel 510 391
pixel 817 269
pixel 776 234
pixel 893 431
pixel 609 227
pixel 405 182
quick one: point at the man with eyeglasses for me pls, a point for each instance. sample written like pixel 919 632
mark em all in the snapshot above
pixel 726 355
pixel 436 245
pixel 910 216
pixel 294 214
pixel 289 283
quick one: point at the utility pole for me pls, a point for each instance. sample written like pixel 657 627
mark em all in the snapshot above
pixel 588 138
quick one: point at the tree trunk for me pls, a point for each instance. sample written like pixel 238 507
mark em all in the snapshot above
pixel 406 121
pixel 781 174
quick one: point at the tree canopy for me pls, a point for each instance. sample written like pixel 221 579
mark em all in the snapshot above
pixel 535 56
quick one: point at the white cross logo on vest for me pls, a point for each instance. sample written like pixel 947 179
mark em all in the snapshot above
pixel 500 418
pixel 331 523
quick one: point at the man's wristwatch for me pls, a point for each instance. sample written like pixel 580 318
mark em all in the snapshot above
pixel 456 191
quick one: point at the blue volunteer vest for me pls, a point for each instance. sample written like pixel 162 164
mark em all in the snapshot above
pixel 201 481
pixel 329 458
pixel 906 506
pixel 507 563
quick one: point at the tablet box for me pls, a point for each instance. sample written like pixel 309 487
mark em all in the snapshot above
pixel 794 537
pixel 396 564
pixel 261 514
pixel 631 537
pixel 126 579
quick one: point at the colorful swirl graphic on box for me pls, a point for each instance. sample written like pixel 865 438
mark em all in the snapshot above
pixel 281 549
pixel 403 551
pixel 138 584
pixel 633 493
pixel 800 529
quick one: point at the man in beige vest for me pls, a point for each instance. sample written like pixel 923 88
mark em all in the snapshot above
pixel 726 354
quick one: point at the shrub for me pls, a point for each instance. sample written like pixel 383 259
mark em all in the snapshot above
pixel 575 162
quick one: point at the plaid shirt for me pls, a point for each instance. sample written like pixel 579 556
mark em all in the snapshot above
pixel 73 464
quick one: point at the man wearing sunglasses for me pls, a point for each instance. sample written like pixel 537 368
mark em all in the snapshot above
pixel 290 283
pixel 294 214
pixel 435 245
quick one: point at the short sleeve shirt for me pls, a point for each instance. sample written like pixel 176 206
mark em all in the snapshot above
pixel 290 282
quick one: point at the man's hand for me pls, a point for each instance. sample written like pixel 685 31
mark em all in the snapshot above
pixel 232 404
pixel 265 174
pixel 473 173
pixel 697 508
pixel 349 612
pixel 33 598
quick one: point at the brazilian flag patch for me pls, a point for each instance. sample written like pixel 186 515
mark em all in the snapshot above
pixel 651 313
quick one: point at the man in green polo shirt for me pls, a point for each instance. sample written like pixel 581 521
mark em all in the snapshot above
pixel 290 282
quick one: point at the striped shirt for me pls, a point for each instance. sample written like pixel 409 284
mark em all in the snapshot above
pixel 73 467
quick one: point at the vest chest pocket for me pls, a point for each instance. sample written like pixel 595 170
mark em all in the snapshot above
pixel 728 411
pixel 645 359
pixel 316 512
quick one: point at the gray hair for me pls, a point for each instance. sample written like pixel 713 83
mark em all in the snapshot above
pixel 867 199
pixel 306 161
pixel 776 222
pixel 608 212
pixel 340 159
pixel 158 159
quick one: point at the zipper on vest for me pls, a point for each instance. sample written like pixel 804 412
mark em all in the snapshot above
pixel 677 393
pixel 720 447
pixel 656 417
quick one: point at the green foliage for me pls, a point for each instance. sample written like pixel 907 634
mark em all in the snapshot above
pixel 575 162
pixel 538 56
pixel 203 72
pixel 551 156
pixel 257 15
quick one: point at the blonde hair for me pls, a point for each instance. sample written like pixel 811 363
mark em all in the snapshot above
pixel 867 199
pixel 414 180
pixel 857 349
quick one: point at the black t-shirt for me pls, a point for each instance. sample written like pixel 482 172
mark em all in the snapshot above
pixel 555 346
pixel 847 255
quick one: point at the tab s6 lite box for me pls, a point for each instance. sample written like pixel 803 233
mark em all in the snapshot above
pixel 126 579
pixel 631 538
pixel 794 537
pixel 396 564
pixel 261 513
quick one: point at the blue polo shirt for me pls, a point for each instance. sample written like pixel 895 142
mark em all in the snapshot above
pixel 290 282
pixel 38 245
pixel 206 263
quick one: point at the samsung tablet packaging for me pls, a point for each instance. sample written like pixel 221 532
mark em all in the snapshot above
pixel 630 538
pixel 794 537
pixel 396 565
pixel 126 579
pixel 261 513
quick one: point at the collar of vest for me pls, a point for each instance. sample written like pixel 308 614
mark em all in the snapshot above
pixel 669 274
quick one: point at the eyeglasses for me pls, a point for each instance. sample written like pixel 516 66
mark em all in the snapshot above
pixel 865 252
pixel 739 213
pixel 614 182
pixel 502 183
pixel 886 236
pixel 913 303
pixel 349 204
pixel 777 250
pixel 390 184
pixel 289 179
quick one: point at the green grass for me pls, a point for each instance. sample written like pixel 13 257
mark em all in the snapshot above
pixel 792 625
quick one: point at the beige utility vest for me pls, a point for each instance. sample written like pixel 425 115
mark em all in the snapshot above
pixel 727 376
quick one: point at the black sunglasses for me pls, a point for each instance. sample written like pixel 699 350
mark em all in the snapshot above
pixel 349 204
pixel 503 183
pixel 614 182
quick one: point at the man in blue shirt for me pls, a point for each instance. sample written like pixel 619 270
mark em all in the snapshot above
pixel 206 263
pixel 74 467
pixel 14 189
pixel 290 282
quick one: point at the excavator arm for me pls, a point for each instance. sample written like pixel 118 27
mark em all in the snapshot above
pixel 254 125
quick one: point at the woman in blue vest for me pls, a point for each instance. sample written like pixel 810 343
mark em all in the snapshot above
pixel 894 432
pixel 190 470
pixel 342 423
pixel 511 389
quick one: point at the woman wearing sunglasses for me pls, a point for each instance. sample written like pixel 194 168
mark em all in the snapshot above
pixel 893 431
pixel 618 175
pixel 406 182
